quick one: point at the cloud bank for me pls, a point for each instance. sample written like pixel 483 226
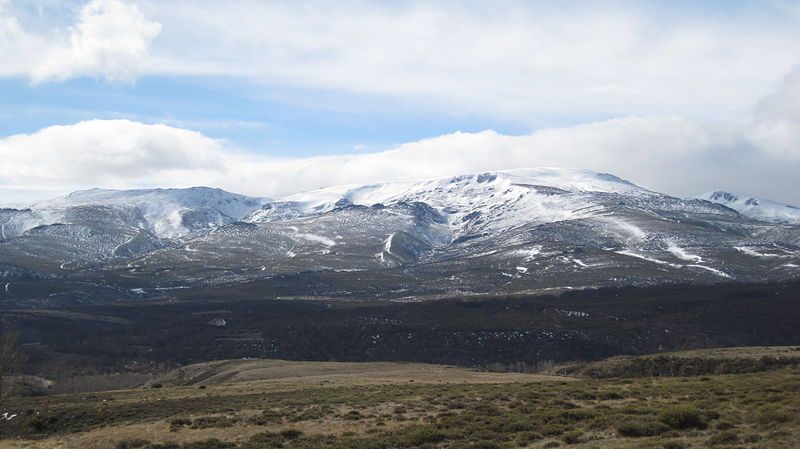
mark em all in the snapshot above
pixel 667 154
pixel 534 62
pixel 681 80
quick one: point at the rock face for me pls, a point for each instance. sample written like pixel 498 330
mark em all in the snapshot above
pixel 507 231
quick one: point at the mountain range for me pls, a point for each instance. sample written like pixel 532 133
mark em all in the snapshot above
pixel 502 232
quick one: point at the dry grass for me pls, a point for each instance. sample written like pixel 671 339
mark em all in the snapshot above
pixel 247 404
pixel 234 371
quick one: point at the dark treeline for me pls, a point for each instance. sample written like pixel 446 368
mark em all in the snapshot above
pixel 512 332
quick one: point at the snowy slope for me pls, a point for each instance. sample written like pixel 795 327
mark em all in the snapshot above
pixel 168 213
pixel 492 201
pixel 757 209
pixel 504 231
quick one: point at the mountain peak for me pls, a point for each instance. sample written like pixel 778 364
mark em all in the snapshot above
pixel 755 208
pixel 170 212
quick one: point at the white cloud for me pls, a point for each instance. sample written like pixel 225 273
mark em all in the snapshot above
pixel 16 45
pixel 524 61
pixel 533 62
pixel 666 154
pixel 777 120
pixel 676 78
pixel 115 153
pixel 109 41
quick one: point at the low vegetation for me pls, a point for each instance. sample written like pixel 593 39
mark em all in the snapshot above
pixel 752 410
pixel 66 342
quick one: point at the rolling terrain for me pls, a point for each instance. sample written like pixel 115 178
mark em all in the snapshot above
pixel 520 333
pixel 322 405
pixel 526 230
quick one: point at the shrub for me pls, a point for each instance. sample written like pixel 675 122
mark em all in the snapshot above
pixel 771 414
pixel 726 437
pixel 353 415
pixel 484 445
pixel 132 444
pixel 610 396
pixel 265 440
pixel 724 425
pixel 168 445
pixel 177 423
pixel 642 428
pixel 205 422
pixel 420 436
pixel 674 445
pixel 573 437
pixel 213 443
pixel 684 417
pixel 291 434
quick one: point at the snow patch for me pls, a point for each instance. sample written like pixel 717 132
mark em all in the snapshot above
pixel 528 253
pixel 754 253
pixel 681 253
pixel 758 209
pixel 316 238
pixel 719 273
pixel 649 259
pixel 626 231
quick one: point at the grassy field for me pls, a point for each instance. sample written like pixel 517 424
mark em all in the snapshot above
pixel 275 404
pixel 691 363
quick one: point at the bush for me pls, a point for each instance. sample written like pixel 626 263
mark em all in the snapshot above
pixel 265 440
pixel 177 423
pixel 610 396
pixel 420 436
pixel 727 437
pixel 642 428
pixel 573 437
pixel 484 445
pixel 771 414
pixel 206 422
pixel 168 445
pixel 132 444
pixel 213 443
pixel 724 425
pixel 683 417
pixel 674 445
pixel 291 434
pixel 353 415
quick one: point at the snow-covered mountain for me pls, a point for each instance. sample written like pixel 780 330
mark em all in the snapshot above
pixel 755 208
pixel 167 213
pixel 504 231
pixel 503 199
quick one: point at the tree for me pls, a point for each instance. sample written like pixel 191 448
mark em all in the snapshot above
pixel 10 356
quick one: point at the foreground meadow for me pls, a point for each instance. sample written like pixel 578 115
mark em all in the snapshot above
pixel 294 405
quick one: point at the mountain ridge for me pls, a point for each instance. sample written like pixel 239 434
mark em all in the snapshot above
pixel 503 231
pixel 755 208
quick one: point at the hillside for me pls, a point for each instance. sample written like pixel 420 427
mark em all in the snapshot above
pixel 515 231
pixel 413 406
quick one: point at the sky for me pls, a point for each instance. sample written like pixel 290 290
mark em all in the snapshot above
pixel 270 98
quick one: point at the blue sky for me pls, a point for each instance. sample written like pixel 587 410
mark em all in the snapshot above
pixel 269 98
pixel 276 121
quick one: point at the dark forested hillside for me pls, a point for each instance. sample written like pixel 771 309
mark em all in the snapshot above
pixel 518 332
